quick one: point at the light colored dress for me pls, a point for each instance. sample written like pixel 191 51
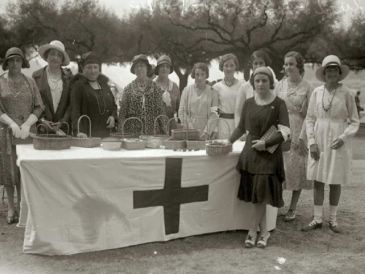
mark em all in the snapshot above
pixel 230 101
pixel 296 99
pixel 197 108
pixel 323 127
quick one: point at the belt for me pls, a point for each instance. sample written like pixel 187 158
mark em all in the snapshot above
pixel 226 115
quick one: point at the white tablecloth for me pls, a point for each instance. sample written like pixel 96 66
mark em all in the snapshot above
pixel 82 199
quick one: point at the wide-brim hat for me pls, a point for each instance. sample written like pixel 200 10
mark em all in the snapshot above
pixel 57 45
pixel 163 59
pixel 12 52
pixel 141 58
pixel 332 61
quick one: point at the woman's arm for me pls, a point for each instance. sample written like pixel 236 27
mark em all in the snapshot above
pixel 353 118
pixel 241 128
pixel 183 107
pixel 240 100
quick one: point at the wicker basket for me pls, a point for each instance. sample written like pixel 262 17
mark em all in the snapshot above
pixel 196 145
pixel 51 141
pixel 155 141
pixel 185 134
pixel 175 144
pixel 133 144
pixel 111 143
pixel 217 149
pixel 85 142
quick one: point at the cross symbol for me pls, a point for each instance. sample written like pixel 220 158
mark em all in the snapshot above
pixel 171 196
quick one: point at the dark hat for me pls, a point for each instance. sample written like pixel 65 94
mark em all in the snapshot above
pixel 163 59
pixel 12 52
pixel 141 58
pixel 90 58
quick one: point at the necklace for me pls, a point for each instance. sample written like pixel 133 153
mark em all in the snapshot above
pixel 229 82
pixel 330 101
pixel 99 93
pixel 15 86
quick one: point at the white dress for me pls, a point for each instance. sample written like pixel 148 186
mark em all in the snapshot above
pixel 230 101
pixel 341 120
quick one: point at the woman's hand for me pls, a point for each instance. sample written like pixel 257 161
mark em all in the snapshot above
pixel 15 129
pixel 24 131
pixel 259 145
pixel 337 143
pixel 314 151
pixel 110 123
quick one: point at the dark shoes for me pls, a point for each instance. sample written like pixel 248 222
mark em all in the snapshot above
pixel 334 227
pixel 312 225
pixel 12 219
pixel 289 216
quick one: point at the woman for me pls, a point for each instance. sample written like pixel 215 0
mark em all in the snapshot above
pixel 142 99
pixel 91 96
pixel 261 162
pixel 231 96
pixel 20 107
pixel 171 95
pixel 199 103
pixel 331 121
pixel 295 91
pixel 53 83
pixel 259 58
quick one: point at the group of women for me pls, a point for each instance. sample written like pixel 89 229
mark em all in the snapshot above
pixel 296 137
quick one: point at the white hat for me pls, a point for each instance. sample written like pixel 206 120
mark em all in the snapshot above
pixel 332 61
pixel 57 45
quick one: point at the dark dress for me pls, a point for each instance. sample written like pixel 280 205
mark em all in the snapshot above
pixel 63 112
pixel 262 173
pixel 98 104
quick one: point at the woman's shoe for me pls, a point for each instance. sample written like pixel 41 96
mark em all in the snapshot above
pixel 334 227
pixel 262 242
pixel 12 219
pixel 290 215
pixel 312 225
pixel 250 241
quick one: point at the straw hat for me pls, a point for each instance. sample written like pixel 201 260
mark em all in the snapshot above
pixel 163 59
pixel 57 45
pixel 12 52
pixel 332 61
pixel 141 58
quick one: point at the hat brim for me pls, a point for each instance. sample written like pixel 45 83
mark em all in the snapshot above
pixel 149 67
pixel 165 62
pixel 345 70
pixel 43 49
pixel 25 63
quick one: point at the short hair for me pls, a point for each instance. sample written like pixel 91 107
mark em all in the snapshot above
pixel 260 53
pixel 225 58
pixel 202 66
pixel 298 58
pixel 263 71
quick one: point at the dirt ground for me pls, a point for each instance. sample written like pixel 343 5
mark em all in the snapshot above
pixel 289 250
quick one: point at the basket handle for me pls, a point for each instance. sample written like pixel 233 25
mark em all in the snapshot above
pixel 168 125
pixel 132 118
pixel 68 127
pixel 44 126
pixel 156 120
pixel 78 124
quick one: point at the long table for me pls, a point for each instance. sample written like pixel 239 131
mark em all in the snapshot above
pixel 83 199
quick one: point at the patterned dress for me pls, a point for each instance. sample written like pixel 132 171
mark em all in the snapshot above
pixel 230 101
pixel 296 100
pixel 146 105
pixel 18 105
pixel 331 116
pixel 196 108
